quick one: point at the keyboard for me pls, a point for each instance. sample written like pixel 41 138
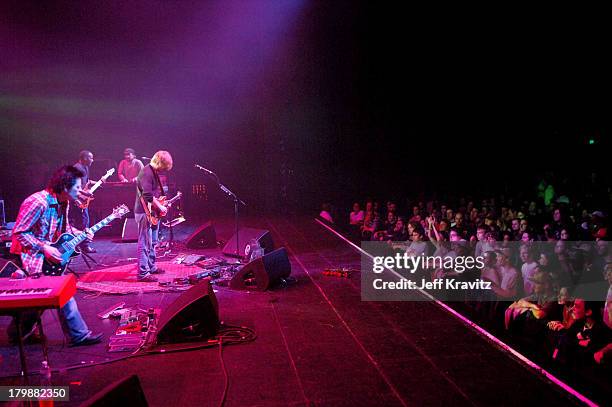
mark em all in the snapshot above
pixel 25 291
pixel 36 293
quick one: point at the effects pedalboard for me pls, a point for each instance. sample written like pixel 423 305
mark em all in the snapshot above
pixel 134 329
pixel 219 270
pixel 218 274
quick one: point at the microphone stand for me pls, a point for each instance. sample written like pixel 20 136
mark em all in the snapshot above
pixel 236 200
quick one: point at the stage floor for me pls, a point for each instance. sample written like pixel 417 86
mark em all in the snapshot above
pixel 317 343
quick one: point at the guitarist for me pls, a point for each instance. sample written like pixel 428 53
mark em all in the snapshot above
pixel 149 188
pixel 85 160
pixel 42 218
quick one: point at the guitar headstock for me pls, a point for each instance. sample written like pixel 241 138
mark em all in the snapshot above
pixel 120 211
pixel 108 174
pixel 176 197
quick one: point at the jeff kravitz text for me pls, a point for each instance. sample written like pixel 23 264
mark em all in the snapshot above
pixel 437 284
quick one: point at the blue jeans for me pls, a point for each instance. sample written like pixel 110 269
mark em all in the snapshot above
pixel 81 220
pixel 147 240
pixel 85 218
pixel 85 223
pixel 72 322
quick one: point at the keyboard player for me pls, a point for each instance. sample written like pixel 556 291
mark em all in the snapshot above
pixel 42 217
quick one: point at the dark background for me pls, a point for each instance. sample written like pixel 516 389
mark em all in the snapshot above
pixel 298 102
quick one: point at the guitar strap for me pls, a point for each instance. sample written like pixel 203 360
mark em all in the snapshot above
pixel 64 217
pixel 62 214
pixel 161 188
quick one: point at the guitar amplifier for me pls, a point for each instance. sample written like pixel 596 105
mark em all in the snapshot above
pixel 108 197
pixel 130 230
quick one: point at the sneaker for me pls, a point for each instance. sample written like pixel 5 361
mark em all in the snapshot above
pixel 147 278
pixel 158 271
pixel 90 339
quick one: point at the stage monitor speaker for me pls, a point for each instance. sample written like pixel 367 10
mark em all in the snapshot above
pixel 194 315
pixel 203 237
pixel 125 392
pixel 130 230
pixel 264 237
pixel 263 272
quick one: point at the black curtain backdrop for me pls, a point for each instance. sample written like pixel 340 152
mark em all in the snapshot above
pixel 295 103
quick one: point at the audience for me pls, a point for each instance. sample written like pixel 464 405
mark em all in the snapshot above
pixel 585 337
pixel 387 229
pixel 535 250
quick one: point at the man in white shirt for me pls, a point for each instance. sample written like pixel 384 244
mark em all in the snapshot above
pixel 490 272
pixel 357 215
pixel 326 213
pixel 528 269
pixel 508 287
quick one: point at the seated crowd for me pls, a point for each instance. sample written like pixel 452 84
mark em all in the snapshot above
pixel 548 262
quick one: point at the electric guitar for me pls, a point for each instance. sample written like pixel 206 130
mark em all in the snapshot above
pixel 84 203
pixel 153 214
pixel 67 243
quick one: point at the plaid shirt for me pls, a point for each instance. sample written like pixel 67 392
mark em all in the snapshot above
pixel 39 222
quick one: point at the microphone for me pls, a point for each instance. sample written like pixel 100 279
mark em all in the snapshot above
pixel 203 169
pixel 146 158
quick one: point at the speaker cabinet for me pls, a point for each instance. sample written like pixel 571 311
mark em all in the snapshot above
pixel 125 392
pixel 203 237
pixel 264 272
pixel 244 238
pixel 194 315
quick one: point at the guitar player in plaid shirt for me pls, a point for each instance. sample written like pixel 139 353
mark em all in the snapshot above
pixel 42 218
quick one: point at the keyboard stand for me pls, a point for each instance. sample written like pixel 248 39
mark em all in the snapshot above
pixel 87 258
pixel 43 342
pixel 22 354
pixel 34 295
pixel 22 358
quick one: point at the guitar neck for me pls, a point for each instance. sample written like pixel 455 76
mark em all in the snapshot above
pixel 80 238
pixel 101 181
pixel 176 198
pixel 96 186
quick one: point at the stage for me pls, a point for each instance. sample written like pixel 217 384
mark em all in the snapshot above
pixel 317 342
